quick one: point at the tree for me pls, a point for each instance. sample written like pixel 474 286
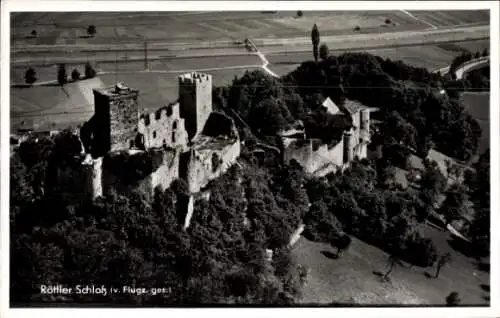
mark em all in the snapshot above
pixel 315 41
pixel 453 299
pixel 477 55
pixel 62 77
pixel 485 52
pixel 300 13
pixel 75 75
pixel 454 205
pixel 91 30
pixel 33 33
pixel 89 71
pixel 341 242
pixel 30 76
pixel 393 260
pixel 442 261
pixel 323 51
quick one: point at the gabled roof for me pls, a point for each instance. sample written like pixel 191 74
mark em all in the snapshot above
pixel 415 162
pixel 331 107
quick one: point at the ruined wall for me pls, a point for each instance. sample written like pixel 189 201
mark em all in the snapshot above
pixel 163 127
pixel 195 100
pixel 317 159
pixel 327 160
pixel 299 150
pixel 92 169
pixel 208 164
pixel 150 169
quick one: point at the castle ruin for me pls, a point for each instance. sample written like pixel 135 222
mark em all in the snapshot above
pixel 319 159
pixel 187 139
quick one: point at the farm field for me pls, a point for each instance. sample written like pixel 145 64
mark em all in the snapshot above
pixel 47 105
pixel 49 72
pixel 70 28
pixel 427 56
pixel 350 278
pixel 478 105
pixel 453 17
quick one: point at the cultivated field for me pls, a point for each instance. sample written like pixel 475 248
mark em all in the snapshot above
pixel 428 56
pixel 454 17
pixel 70 28
pixel 350 278
pixel 50 104
pixel 49 72
pixel 478 105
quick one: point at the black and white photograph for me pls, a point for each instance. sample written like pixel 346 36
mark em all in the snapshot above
pixel 225 158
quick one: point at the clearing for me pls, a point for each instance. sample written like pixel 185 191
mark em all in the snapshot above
pixel 350 279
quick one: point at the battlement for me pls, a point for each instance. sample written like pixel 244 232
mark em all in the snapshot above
pixel 194 78
pixel 160 115
pixel 117 91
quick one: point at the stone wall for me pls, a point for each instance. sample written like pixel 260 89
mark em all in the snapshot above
pixel 316 159
pixel 164 127
pixel 204 165
pixel 163 172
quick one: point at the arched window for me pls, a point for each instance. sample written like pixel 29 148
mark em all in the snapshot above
pixel 154 134
pixel 174 125
pixel 173 137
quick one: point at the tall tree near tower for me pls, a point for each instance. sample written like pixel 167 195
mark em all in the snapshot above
pixel 315 41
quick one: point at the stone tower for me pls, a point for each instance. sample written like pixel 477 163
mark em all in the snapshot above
pixel 195 101
pixel 365 125
pixel 116 118
pixel 349 143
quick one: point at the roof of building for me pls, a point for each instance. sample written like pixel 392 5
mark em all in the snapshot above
pixel 400 177
pixel 415 162
pixel 352 107
pixel 331 107
pixel 442 159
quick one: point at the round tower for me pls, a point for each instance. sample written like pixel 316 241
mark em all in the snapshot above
pixel 365 124
pixel 348 146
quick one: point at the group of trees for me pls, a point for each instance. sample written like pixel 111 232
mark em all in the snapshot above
pixel 355 203
pixel 62 76
pixel 475 80
pixel 318 50
pixel 125 239
pixel 91 31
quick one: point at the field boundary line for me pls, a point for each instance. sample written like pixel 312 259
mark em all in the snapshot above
pixel 419 19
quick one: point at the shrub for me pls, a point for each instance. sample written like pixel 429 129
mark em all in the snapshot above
pixel 453 299
pixel 91 30
pixel 388 21
pixel 30 76
pixel 75 75
pixel 89 71
pixel 420 251
pixel 323 51
pixel 300 13
pixel 62 77
pixel 357 28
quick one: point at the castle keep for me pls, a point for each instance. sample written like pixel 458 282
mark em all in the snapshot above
pixel 126 150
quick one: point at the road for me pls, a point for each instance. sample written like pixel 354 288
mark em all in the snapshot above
pixel 38 54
